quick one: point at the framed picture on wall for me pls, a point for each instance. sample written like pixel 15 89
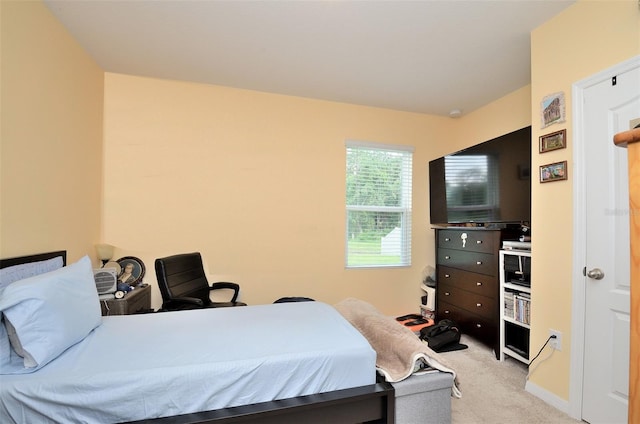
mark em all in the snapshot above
pixel 553 141
pixel 553 172
pixel 552 109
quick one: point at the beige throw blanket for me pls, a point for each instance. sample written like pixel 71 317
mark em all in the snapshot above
pixel 398 349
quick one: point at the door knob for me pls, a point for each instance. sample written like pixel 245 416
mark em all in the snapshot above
pixel 596 274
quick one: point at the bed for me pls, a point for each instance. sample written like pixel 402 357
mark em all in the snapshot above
pixel 287 362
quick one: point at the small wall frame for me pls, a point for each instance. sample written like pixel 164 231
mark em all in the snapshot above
pixel 552 109
pixel 553 172
pixel 553 141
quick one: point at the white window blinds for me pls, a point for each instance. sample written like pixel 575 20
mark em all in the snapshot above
pixel 378 203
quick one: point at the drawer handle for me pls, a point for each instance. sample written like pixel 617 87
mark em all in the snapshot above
pixel 447 294
pixel 479 263
pixel 478 283
pixel 447 276
pixel 447 239
pixel 446 312
pixel 478 325
pixel 447 257
pixel 479 305
pixel 478 241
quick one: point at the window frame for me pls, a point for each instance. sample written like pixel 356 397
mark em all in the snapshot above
pixel 405 209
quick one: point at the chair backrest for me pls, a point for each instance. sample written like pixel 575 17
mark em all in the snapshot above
pixel 182 275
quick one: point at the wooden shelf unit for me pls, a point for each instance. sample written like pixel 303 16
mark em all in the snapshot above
pixel 515 322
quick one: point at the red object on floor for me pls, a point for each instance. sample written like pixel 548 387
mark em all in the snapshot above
pixel 416 327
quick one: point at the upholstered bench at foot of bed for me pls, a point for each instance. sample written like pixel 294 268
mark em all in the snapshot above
pixel 424 398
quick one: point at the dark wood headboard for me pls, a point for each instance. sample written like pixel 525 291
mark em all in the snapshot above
pixel 19 260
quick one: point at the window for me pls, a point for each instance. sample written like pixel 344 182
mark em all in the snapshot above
pixel 378 201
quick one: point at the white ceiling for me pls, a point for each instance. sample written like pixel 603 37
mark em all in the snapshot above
pixel 419 56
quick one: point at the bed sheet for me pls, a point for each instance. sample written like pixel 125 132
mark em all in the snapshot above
pixel 154 365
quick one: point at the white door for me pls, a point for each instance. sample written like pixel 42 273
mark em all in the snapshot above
pixel 609 107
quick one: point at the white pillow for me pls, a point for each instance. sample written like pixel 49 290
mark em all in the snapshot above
pixel 16 345
pixel 5 347
pixel 18 272
pixel 50 313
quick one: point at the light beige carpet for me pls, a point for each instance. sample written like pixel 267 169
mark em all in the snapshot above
pixel 493 391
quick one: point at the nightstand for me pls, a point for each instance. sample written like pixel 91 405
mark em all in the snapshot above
pixel 137 300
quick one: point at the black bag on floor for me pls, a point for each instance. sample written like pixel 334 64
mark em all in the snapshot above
pixel 441 335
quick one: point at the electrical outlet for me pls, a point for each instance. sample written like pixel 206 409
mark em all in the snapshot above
pixel 557 342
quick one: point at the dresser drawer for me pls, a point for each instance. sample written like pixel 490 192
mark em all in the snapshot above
pixel 485 285
pixel 481 328
pixel 472 241
pixel 472 302
pixel 483 263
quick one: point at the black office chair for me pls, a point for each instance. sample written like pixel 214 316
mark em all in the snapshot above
pixel 184 285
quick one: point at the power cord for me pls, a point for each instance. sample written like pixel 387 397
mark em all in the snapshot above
pixel 553 336
pixel 542 348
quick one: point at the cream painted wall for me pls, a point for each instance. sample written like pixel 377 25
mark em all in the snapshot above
pixel 499 117
pixel 255 182
pixel 51 136
pixel 586 38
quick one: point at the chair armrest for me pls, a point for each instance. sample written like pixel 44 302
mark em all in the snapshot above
pixel 227 285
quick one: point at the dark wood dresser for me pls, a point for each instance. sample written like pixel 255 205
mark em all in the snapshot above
pixel 467 268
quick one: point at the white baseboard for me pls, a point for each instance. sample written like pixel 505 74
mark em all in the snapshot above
pixel 548 397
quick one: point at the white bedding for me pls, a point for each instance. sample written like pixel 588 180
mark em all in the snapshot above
pixel 18 272
pixel 163 364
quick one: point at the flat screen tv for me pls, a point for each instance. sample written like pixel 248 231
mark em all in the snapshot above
pixel 489 183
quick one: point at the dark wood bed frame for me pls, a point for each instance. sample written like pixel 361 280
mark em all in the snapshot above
pixel 374 403
pixel 19 260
